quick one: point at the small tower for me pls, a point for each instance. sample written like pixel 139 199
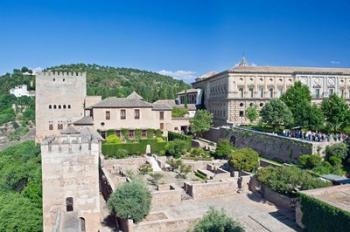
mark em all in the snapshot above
pixel 59 101
pixel 70 180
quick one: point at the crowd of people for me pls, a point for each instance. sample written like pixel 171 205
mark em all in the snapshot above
pixel 314 136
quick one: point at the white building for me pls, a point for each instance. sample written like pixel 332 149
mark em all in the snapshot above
pixel 21 90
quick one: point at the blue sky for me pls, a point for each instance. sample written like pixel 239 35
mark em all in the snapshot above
pixel 181 38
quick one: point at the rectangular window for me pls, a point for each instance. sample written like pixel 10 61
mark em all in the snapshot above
pixel 251 92
pixel 317 93
pixel 241 114
pixel 261 92
pixel 271 93
pixel 59 126
pixel 117 133
pixel 161 126
pixel 161 115
pixel 50 126
pixel 122 114
pixel 131 134
pixel 108 115
pixel 69 204
pixel 342 93
pixel 137 114
pixel 144 133
pixel 241 94
pixel 331 91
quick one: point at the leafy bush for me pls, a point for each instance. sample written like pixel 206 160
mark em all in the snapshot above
pixel 223 149
pixel 310 161
pixel 252 113
pixel 131 200
pixel 145 169
pixel 339 150
pixel 322 217
pixel 174 136
pixel 276 114
pixel 289 180
pixel 176 148
pixel 245 159
pixel 113 139
pixel 197 154
pixel 215 220
pixel 201 122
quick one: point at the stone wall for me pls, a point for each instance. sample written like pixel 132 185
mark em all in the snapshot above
pixel 170 196
pixel 168 225
pixel 268 145
pixel 210 189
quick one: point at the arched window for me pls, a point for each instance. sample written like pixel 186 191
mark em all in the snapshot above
pixel 69 204
pixel 68 106
pixel 64 106
pixel 54 106
pixel 50 106
pixel 271 92
pixel 59 106
pixel 82 224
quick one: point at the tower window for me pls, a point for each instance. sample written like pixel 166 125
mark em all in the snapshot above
pixel 241 113
pixel 64 106
pixel 54 106
pixel 50 106
pixel 69 204
pixel 68 106
pixel 59 126
pixel 82 224
pixel 59 106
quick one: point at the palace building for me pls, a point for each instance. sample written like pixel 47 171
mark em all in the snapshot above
pixel 228 94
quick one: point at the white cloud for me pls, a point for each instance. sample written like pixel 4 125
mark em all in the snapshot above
pixel 185 75
pixel 335 62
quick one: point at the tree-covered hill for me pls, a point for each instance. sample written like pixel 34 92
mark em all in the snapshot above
pixel 20 188
pixel 109 81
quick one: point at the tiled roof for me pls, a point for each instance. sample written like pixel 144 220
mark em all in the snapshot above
pixel 288 70
pixel 69 131
pixel 134 95
pixel 84 121
pixel 113 102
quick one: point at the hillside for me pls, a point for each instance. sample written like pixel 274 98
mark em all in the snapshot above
pixel 109 81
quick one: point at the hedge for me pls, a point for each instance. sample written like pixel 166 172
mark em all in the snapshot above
pixel 110 150
pixel 322 217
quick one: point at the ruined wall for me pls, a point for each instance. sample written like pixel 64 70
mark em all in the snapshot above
pixel 165 198
pixel 168 225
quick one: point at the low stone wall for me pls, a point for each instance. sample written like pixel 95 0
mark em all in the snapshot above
pixel 202 164
pixel 211 188
pixel 167 225
pixel 166 197
pixel 271 146
pixel 281 201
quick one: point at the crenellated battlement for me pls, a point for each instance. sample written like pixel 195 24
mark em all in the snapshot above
pixel 62 74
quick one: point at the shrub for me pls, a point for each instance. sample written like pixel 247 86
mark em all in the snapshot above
pixel 245 159
pixel 176 148
pixel 121 153
pixel 184 169
pixel 223 149
pixel 174 136
pixel 113 139
pixel 197 154
pixel 138 134
pixel 145 169
pixel 215 220
pixel 158 133
pixel 155 178
pixel 310 161
pixel 289 180
pixel 174 163
pixel 339 150
pixel 131 200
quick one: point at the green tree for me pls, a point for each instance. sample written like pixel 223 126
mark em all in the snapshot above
pixel 217 221
pixel 339 150
pixel 131 200
pixel 201 122
pixel 336 112
pixel 314 119
pixel 276 114
pixel 252 113
pixel 245 159
pixel 298 100
pixel 223 149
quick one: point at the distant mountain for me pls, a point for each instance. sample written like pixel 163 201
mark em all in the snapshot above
pixel 109 81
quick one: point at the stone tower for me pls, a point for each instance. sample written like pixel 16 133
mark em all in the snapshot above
pixel 70 181
pixel 59 101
